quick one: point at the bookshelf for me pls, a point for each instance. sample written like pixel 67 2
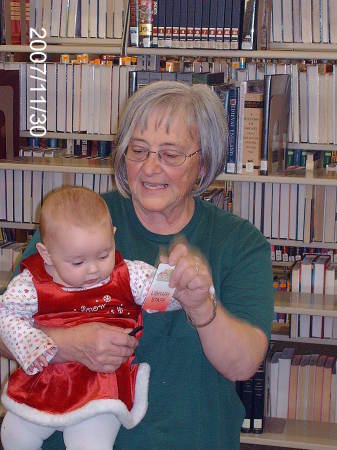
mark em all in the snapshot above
pixel 278 432
pixel 322 54
pixel 295 434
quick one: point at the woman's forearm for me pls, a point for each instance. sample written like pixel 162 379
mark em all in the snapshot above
pixel 234 347
pixel 100 347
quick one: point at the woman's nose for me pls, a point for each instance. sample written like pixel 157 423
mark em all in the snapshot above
pixel 152 163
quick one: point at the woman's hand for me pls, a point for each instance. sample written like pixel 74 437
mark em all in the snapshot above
pixel 100 347
pixel 191 279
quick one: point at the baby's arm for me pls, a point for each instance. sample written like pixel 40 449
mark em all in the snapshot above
pixel 141 276
pixel 31 347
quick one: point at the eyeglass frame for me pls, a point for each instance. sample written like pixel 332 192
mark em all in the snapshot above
pixel 159 157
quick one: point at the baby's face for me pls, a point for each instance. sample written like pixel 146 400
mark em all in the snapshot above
pixel 82 256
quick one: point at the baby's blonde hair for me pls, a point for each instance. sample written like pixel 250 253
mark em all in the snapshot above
pixel 73 205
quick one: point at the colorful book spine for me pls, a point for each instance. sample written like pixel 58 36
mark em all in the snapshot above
pixel 232 128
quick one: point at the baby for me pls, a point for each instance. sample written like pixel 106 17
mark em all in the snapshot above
pixel 76 277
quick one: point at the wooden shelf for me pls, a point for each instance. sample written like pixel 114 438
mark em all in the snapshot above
pixel 295 434
pixel 330 53
pixel 318 341
pixel 313 147
pixel 64 165
pixel 19 225
pixel 89 137
pixel 283 263
pixel 292 243
pixel 316 177
pixel 299 303
pixel 83 46
pixel 307 47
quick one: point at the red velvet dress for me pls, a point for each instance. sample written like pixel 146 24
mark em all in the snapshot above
pixel 67 393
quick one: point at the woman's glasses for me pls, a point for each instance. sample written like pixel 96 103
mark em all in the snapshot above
pixel 166 157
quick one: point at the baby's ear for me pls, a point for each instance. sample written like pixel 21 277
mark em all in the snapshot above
pixel 42 249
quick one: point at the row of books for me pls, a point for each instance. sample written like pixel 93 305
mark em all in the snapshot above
pixel 10 253
pixel 313 114
pixel 288 211
pixel 304 21
pixel 79 148
pixel 254 109
pixel 62 18
pixel 314 274
pixel 284 253
pixel 22 191
pixel 300 386
pixel 219 24
pixel 72 97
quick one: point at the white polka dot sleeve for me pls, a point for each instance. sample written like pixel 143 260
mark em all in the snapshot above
pixel 18 305
pixel 141 276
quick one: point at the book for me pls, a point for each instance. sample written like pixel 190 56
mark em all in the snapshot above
pixel 293 386
pixel 283 381
pixel 326 389
pixel 302 388
pixel 145 20
pixel 275 123
pixel 133 23
pixel 248 39
pixel 247 397
pixel 253 124
pixel 9 113
pixel 311 386
pixel 318 389
pixel 258 400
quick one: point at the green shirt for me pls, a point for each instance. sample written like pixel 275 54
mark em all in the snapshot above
pixel 192 406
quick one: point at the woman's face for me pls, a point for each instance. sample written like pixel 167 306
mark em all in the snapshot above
pixel 154 186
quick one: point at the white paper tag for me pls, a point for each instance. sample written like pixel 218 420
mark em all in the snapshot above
pixel 160 294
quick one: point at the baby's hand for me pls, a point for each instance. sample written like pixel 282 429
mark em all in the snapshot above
pixel 41 362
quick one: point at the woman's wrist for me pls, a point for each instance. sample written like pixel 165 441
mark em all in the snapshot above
pixel 204 315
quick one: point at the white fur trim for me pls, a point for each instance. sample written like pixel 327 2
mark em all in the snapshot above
pixel 116 407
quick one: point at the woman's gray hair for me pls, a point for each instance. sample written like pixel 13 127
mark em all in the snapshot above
pixel 203 112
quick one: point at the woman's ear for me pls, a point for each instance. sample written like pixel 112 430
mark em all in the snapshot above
pixel 42 249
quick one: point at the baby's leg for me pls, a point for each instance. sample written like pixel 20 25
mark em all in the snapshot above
pixel 19 434
pixel 97 433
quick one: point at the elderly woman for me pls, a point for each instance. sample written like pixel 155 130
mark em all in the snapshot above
pixel 171 145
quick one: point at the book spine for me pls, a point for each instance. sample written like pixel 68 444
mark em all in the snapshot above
pixel 190 23
pixel 134 37
pixel 235 24
pixel 145 21
pixel 258 400
pixel 232 129
pixel 155 23
pixel 161 23
pixel 227 24
pixel 183 23
pixel 266 104
pixel 205 23
pixel 168 23
pixel 220 24
pixel 176 23
pixel 197 24
pixel 248 25
pixel 212 23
